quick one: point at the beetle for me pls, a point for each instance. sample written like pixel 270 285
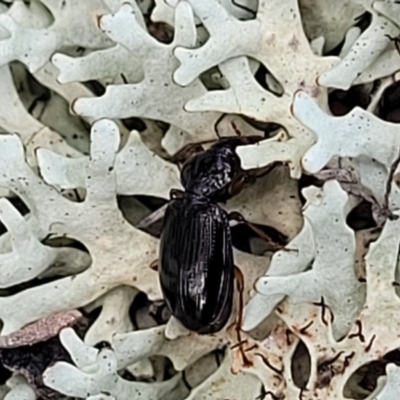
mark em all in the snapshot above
pixel 196 265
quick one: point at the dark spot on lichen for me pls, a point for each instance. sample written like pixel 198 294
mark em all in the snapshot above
pixel 294 43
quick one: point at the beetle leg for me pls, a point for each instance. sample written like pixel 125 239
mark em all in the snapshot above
pixel 235 216
pixel 243 178
pixel 240 287
pixel 153 217
pixel 266 171
pixel 154 265
pixel 236 185
pixel 159 213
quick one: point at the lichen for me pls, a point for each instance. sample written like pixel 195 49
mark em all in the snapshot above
pixel 98 96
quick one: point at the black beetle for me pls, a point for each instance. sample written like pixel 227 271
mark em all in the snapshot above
pixel 196 266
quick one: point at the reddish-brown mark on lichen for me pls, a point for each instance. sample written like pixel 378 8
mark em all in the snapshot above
pixel 41 330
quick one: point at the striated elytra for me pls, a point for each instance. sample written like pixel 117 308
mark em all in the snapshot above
pixel 196 266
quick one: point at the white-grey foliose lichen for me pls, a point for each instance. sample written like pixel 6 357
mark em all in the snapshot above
pixel 95 97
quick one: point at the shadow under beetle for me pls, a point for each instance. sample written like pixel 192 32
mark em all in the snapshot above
pixel 196 266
